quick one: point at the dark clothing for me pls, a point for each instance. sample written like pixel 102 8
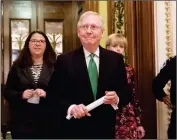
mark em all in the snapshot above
pixel 28 120
pixel 172 126
pixel 70 84
pixel 168 72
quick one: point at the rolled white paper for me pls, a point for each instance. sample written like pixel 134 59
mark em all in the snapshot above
pixel 95 104
pixel 90 107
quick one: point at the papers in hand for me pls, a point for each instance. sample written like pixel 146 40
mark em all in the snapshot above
pixel 34 100
pixel 91 106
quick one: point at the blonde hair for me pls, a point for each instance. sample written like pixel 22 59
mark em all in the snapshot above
pixel 88 13
pixel 115 39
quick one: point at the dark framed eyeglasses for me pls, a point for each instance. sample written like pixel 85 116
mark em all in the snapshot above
pixel 35 41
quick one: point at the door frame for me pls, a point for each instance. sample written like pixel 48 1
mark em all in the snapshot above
pixel 139 17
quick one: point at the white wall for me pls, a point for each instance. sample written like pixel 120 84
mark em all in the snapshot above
pixel 174 25
pixel 160 53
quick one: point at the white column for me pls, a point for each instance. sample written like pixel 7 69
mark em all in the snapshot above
pixel 161 56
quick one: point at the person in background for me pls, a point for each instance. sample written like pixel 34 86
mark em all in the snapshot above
pixel 85 75
pixel 168 72
pixel 25 89
pixel 128 119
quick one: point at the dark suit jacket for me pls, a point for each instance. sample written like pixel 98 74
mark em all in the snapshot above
pixel 23 113
pixel 70 84
pixel 168 72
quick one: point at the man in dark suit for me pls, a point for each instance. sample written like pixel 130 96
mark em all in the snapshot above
pixel 83 76
pixel 168 72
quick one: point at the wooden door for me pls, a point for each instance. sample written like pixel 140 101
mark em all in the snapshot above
pixel 52 17
pixel 65 13
pixel 141 54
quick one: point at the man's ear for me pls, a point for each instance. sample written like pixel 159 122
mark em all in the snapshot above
pixel 78 33
pixel 102 34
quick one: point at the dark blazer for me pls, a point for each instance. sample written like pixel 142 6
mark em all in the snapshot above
pixel 168 72
pixel 70 84
pixel 25 115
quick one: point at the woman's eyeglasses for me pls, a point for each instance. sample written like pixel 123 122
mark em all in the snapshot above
pixel 34 41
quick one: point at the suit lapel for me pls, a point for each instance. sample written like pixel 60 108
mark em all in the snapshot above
pixel 28 75
pixel 81 72
pixel 102 70
pixel 45 74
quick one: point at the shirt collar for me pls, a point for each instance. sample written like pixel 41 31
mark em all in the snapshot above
pixel 87 53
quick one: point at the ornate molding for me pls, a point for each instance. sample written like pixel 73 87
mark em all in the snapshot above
pixel 119 17
pixel 80 7
pixel 168 29
pixel 169 45
pixel 169 33
pixel 116 22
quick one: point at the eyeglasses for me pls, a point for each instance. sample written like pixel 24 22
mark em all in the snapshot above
pixel 34 41
pixel 92 27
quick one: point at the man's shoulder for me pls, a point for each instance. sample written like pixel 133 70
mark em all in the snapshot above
pixel 169 61
pixel 69 55
pixel 111 53
pixel 173 58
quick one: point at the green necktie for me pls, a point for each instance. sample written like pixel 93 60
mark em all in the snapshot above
pixel 93 75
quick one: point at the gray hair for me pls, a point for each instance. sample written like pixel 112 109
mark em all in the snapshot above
pixel 88 13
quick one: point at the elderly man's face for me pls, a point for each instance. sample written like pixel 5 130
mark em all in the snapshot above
pixel 90 31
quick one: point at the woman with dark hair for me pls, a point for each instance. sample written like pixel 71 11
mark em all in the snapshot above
pixel 26 85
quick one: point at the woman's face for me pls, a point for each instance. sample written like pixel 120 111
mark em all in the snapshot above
pixel 117 48
pixel 37 45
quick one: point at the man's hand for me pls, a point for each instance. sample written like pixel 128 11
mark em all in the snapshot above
pixel 167 101
pixel 79 111
pixel 111 97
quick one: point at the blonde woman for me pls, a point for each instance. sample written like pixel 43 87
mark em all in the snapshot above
pixel 128 124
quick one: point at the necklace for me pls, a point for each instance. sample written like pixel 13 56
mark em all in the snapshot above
pixel 36 71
